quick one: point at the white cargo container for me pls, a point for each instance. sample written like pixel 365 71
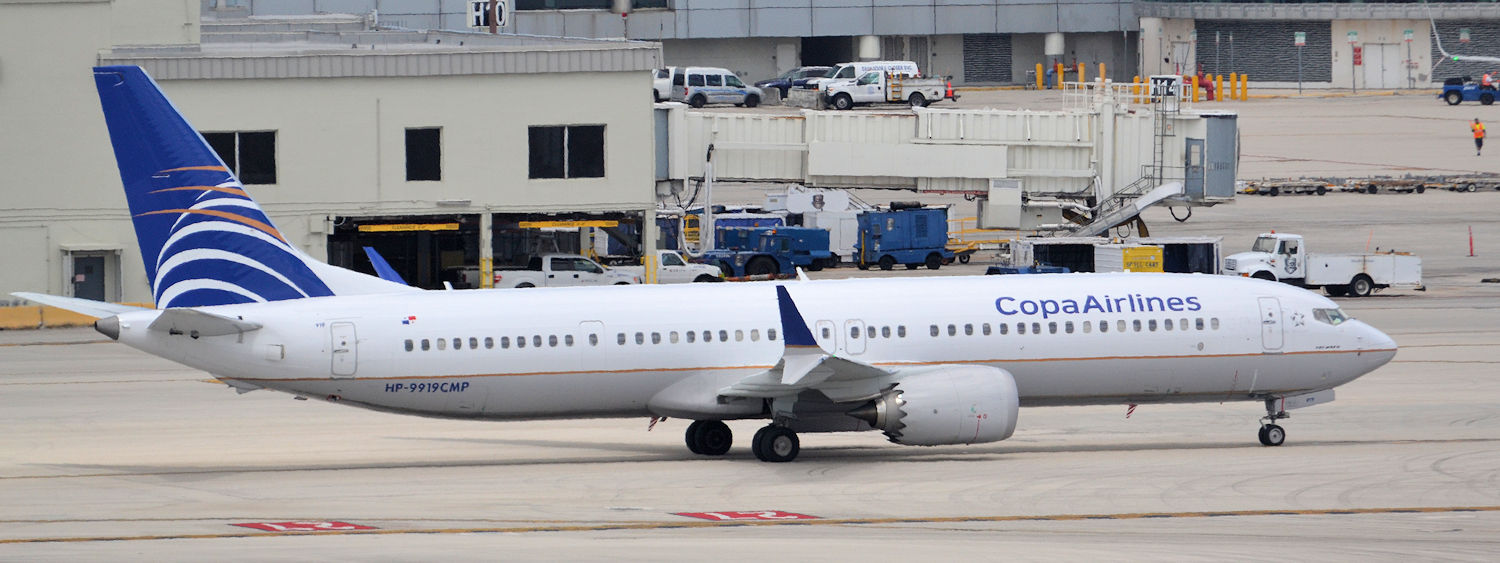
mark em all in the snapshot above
pixel 1283 257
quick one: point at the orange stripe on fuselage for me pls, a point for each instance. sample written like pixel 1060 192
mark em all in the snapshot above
pixel 232 191
pixel 268 229
pixel 891 364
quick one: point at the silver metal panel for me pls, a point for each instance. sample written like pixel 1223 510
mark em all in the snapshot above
pixel 965 19
pixel 904 3
pixel 1222 156
pixel 713 4
pixel 186 66
pixel 842 4
pixel 1031 18
pixel 1091 17
pixel 762 4
pixel 652 25
pixel 841 21
pixel 903 20
pixel 282 8
pixel 789 22
pixel 718 23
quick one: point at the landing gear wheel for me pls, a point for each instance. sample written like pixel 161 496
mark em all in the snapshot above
pixel 709 437
pixel 776 444
pixel 1272 435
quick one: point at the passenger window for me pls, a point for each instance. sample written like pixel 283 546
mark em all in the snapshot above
pixel 425 345
pixel 593 340
pixel 739 336
pixel 1199 323
pixel 732 80
pixel 458 343
pixel 1182 324
pixel 1020 328
pixel 1036 328
pixel 567 340
pixel 1004 328
pixel 1120 326
pixel 489 342
pixel 442 343
pixel 715 80
pixel 827 333
pixel 853 332
pixel 1103 326
pixel 552 340
pixel 870 332
pixel 1088 326
pixel 901 331
pixel 968 329
pixel 1136 324
pixel 504 342
pixel 1068 327
pixel 520 342
pixel 656 338
pixel 708 336
pixel 473 343
pixel 770 334
pixel 409 345
pixel 934 331
pixel 723 336
pixel 640 338
pixel 885 332
pixel 672 337
pixel 1214 322
pixel 620 338
pixel 692 336
pixel 985 328
pixel 1166 324
pixel 536 341
pixel 952 330
pixel 1052 327
pixel 755 335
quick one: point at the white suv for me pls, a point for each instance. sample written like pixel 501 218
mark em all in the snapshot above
pixel 705 85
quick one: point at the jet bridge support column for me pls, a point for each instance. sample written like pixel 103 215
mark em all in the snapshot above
pixel 486 250
pixel 648 244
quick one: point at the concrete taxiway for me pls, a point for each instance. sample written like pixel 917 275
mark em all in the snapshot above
pixel 109 454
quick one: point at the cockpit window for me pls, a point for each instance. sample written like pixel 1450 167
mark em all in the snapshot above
pixel 1330 316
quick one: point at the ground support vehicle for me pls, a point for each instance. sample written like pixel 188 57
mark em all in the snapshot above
pixel 876 87
pixel 1472 183
pixel 913 236
pixel 1283 257
pixel 965 238
pixel 1277 187
pixel 558 270
pixel 1397 185
pixel 672 268
pixel 1459 90
pixel 699 86
pixel 761 251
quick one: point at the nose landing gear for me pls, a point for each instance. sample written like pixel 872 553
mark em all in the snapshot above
pixel 1270 433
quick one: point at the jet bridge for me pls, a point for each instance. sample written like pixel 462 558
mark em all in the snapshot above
pixel 1091 166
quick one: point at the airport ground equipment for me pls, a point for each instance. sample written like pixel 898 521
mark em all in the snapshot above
pixel 1472 183
pixel 774 251
pixel 671 267
pixel 913 236
pixel 1284 257
pixel 558 270
pixel 1279 187
pixel 1459 90
pixel 1382 184
pixel 876 87
pixel 1181 255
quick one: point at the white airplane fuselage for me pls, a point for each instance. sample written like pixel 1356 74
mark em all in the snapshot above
pixel 1229 339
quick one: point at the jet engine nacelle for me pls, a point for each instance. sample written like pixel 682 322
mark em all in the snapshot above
pixel 946 405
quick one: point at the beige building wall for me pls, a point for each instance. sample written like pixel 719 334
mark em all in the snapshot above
pixel 1378 34
pixel 1167 47
pixel 154 22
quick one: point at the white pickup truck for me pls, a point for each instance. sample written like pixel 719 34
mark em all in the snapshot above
pixel 672 268
pixel 1284 257
pixel 877 87
pixel 558 270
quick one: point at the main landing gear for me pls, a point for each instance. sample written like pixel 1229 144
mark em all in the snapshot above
pixel 1270 433
pixel 774 443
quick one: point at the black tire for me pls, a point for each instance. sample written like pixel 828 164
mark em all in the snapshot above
pixel 1336 290
pixel 1272 435
pixel 934 261
pixel 1421 189
pixel 762 265
pixel 1274 191
pixel 1268 276
pixel 655 98
pixel 843 102
pixel 756 441
pixel 1372 189
pixel 912 266
pixel 887 262
pixel 1361 286
pixel 1470 187
pixel 1320 190
pixel 525 285
pixel 622 283
pixel 918 100
pixel 833 261
pixel 776 444
pixel 1453 98
pixel 814 266
pixel 963 259
pixel 752 100
pixel 785 91
pixel 727 268
pixel 691 436
pixel 863 265
pixel 713 437
pixel 698 101
pixel 705 278
pixel 1486 98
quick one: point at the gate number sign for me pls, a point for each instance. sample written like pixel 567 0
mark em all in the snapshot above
pixel 747 515
pixel 304 526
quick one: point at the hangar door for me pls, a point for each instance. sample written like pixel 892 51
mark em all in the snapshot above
pixel 1385 67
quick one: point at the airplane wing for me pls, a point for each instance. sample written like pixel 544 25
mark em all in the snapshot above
pixel 806 365
pixel 96 309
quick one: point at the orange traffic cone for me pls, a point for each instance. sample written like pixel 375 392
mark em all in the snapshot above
pixel 949 94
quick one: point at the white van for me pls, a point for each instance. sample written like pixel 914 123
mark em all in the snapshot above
pixel 851 71
pixel 699 85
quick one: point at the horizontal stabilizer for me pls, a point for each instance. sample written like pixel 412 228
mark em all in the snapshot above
pixel 96 309
pixel 197 323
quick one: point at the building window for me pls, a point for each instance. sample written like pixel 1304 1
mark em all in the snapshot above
pixel 424 154
pixel 573 151
pixel 251 155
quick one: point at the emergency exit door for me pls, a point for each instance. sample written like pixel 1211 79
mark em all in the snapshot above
pixel 1270 323
pixel 345 349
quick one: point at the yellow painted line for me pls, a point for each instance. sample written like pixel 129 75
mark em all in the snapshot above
pixel 673 525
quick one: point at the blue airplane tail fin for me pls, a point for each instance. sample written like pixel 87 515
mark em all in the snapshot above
pixel 203 240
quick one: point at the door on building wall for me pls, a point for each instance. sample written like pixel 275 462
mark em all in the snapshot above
pixel 88 277
pixel 1182 58
pixel 903 48
pixel 1384 66
pixel 1192 166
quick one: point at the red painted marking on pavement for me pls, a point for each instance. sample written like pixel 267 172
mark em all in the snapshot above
pixel 747 515
pixel 303 526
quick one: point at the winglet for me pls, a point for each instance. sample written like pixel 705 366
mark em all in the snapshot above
pixel 793 327
pixel 382 268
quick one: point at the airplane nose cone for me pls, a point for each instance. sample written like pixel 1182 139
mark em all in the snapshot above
pixel 108 326
pixel 1377 342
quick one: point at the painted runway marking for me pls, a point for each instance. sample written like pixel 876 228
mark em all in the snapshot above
pixel 747 515
pixel 302 526
pixel 832 521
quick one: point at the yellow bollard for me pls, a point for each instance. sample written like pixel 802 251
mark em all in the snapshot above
pixel 1195 88
pixel 1245 87
pixel 1135 90
pixel 1041 79
pixel 1234 91
pixel 1102 75
pixel 1219 87
pixel 1081 74
pixel 1059 70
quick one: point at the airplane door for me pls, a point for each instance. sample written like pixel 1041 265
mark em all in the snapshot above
pixel 1270 323
pixel 827 335
pixel 345 349
pixel 854 333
